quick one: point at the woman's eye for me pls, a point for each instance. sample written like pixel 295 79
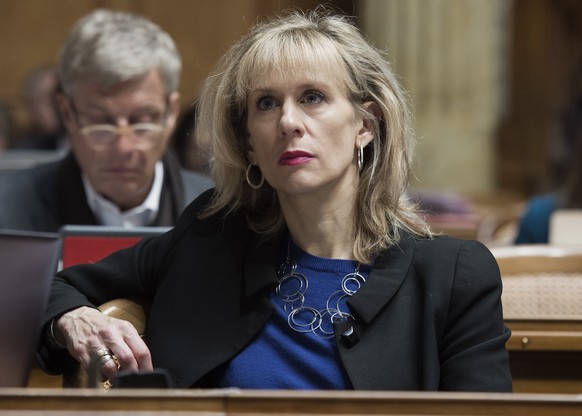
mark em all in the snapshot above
pixel 313 97
pixel 265 103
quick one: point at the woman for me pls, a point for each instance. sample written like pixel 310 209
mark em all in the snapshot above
pixel 306 267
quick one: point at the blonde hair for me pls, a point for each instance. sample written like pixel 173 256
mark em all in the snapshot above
pixel 382 209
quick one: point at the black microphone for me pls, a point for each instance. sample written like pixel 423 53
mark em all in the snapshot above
pixel 350 337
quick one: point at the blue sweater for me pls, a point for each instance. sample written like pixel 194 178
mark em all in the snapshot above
pixel 281 358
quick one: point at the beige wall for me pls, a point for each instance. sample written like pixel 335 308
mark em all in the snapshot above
pixel 451 56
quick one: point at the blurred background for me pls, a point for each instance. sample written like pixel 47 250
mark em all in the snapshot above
pixel 490 80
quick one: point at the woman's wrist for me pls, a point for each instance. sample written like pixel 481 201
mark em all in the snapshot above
pixel 51 336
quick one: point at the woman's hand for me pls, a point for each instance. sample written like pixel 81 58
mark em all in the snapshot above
pixel 88 333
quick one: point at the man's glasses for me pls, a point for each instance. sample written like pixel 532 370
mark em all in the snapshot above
pixel 144 136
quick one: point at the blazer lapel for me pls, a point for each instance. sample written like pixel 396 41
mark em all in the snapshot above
pixel 385 279
pixel 387 275
pixel 260 268
pixel 257 279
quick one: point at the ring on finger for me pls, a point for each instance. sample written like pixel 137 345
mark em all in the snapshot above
pixel 105 358
pixel 102 352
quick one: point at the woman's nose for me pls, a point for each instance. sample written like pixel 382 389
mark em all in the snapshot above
pixel 290 123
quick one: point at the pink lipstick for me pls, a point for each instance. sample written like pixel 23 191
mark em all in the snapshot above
pixel 294 158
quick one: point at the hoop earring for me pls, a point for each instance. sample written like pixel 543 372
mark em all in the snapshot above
pixel 248 177
pixel 360 158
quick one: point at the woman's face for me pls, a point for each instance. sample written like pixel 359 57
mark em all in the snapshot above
pixel 304 132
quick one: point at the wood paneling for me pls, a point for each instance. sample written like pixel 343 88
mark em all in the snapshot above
pixel 544 54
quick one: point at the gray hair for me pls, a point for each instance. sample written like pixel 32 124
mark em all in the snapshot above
pixel 112 47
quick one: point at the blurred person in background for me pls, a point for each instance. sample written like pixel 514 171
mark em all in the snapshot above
pixel 534 225
pixel 6 126
pixel 119 102
pixel 191 156
pixel 45 129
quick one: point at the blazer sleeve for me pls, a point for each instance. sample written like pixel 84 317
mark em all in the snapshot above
pixel 473 355
pixel 133 272
pixel 130 272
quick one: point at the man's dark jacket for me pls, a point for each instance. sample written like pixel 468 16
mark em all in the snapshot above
pixel 46 197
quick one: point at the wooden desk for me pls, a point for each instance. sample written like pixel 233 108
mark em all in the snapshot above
pixel 245 402
pixel 545 355
pixel 545 335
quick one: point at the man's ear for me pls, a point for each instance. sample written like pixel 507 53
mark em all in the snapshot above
pixel 367 130
pixel 173 109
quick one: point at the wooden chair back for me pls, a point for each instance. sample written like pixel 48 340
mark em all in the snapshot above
pixel 499 227
pixel 541 281
pixel 542 305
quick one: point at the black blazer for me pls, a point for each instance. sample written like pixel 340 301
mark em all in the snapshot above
pixel 428 317
pixel 46 197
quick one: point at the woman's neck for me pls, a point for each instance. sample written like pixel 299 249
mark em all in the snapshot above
pixel 321 228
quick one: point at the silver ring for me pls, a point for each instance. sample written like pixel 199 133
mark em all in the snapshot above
pixel 102 352
pixel 105 358
pixel 104 355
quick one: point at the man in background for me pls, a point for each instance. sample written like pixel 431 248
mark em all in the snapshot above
pixel 119 103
